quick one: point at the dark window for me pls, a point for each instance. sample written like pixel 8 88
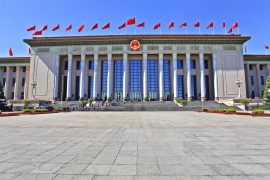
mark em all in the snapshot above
pixel 252 94
pixel 12 95
pixel 192 64
pixel 66 65
pixel 166 79
pixel 23 81
pixel 78 65
pixel 91 65
pixel 90 86
pixel 193 87
pixel 206 87
pixel 135 79
pixel 22 95
pixel 77 93
pixel 261 67
pixel 24 69
pixel 14 69
pixel 262 80
pixel 205 64
pixel 179 64
pixel 4 81
pixel 180 85
pixel 250 67
pixel 152 79
pixel 104 76
pixel 251 80
pixel 118 76
pixel 13 81
pixel 64 87
pixel 5 69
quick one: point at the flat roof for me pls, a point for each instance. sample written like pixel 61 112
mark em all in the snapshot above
pixel 144 39
pixel 14 60
pixel 256 57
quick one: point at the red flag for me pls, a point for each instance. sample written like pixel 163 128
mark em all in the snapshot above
pixel 141 25
pixel 197 24
pixel 210 25
pixel 122 26
pixel 156 26
pixel 69 28
pixel 94 27
pixel 81 28
pixel 131 21
pixel 29 51
pixel 183 25
pixel 56 28
pixel 10 52
pixel 37 33
pixel 171 25
pixel 31 28
pixel 266 46
pixel 235 25
pixel 106 26
pixel 44 28
pixel 223 25
pixel 230 30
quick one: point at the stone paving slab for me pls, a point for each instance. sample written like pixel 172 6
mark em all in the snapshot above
pixel 134 146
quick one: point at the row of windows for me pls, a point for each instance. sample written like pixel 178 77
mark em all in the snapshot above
pixel 14 81
pixel 261 78
pixel 261 67
pixel 78 65
pixel 192 64
pixel 14 69
pixel 166 76
pixel 118 76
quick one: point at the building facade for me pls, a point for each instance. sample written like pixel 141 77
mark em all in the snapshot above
pixel 138 67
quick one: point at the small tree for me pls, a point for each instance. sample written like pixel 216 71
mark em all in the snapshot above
pixel 245 102
pixel 26 103
pixel 266 93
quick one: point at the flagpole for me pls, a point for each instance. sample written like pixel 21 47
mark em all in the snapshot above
pixel 225 31
pixel 266 51
pixel 186 30
pixel 238 30
pixel 199 30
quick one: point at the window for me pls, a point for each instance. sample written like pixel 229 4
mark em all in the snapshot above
pixel 13 81
pixel 261 67
pixel 24 69
pixel 193 87
pixel 135 79
pixel 12 95
pixel 90 86
pixel 22 95
pixel 14 69
pixel 4 82
pixel 251 80
pixel 5 69
pixel 91 65
pixel 78 65
pixel 118 76
pixel 192 64
pixel 250 67
pixel 152 79
pixel 179 64
pixel 23 81
pixel 77 90
pixel 66 65
pixel 262 80
pixel 180 86
pixel 104 76
pixel 252 95
pixel 205 64
pixel 166 76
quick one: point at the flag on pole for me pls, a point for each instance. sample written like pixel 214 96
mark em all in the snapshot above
pixel 197 24
pixel 31 28
pixel 171 25
pixel 69 28
pixel 29 51
pixel 106 26
pixel 131 21
pixel 94 27
pixel 183 25
pixel 56 28
pixel 10 52
pixel 122 26
pixel 266 47
pixel 223 25
pixel 235 25
pixel 230 30
pixel 210 25
pixel 37 33
pixel 141 24
pixel 157 26
pixel 44 28
pixel 81 28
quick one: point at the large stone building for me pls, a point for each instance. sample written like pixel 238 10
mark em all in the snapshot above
pixel 121 67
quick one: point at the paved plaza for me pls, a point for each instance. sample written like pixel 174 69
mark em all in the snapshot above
pixel 134 145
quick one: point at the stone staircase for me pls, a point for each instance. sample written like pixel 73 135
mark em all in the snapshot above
pixel 164 106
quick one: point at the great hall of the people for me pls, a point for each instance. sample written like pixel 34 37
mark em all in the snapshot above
pixel 135 67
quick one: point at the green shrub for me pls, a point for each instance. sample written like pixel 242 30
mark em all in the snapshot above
pixel 230 110
pixel 224 110
pixel 245 102
pixel 26 110
pixel 40 110
pixel 180 101
pixel 26 103
pixel 257 111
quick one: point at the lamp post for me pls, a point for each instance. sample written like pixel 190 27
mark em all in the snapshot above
pixel 34 85
pixel 238 84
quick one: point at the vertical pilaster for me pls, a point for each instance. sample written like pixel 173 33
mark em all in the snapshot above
pixel 215 69
pixel 17 83
pixel 201 56
pixel 145 95
pixel 259 86
pixel 175 87
pixel 189 96
pixel 69 76
pixel 82 75
pixel 110 76
pixel 161 83
pixel 125 75
pixel 56 76
pixel 26 85
pixel 7 90
pixel 95 78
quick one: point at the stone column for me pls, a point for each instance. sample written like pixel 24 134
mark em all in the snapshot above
pixel 95 77
pixel 145 95
pixel 7 90
pixel 202 76
pixel 175 86
pixel 17 83
pixel 110 76
pixel 56 76
pixel 82 75
pixel 258 74
pixel 26 85
pixel 189 96
pixel 69 76
pixel 215 69
pixel 125 75
pixel 161 83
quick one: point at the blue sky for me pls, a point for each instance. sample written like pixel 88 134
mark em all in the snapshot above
pixel 17 15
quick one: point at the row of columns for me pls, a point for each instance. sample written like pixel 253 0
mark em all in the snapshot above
pixel 125 75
